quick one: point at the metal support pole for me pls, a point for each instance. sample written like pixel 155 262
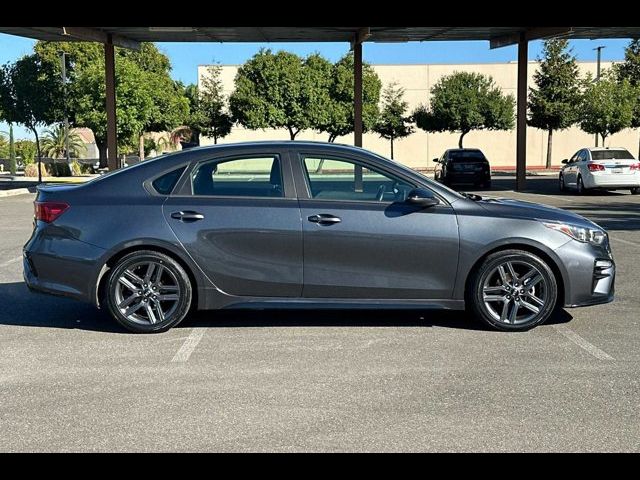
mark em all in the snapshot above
pixel 521 126
pixel 357 109
pixel 63 66
pixel 110 82
pixel 599 56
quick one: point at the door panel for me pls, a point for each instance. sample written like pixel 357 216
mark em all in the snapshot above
pixel 377 250
pixel 240 228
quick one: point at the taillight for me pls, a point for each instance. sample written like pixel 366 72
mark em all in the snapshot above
pixel 595 167
pixel 49 211
pixel 635 167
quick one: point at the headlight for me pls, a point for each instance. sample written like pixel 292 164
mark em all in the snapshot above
pixel 593 236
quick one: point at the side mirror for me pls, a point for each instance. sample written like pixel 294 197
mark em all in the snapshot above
pixel 436 160
pixel 422 197
pixel 565 161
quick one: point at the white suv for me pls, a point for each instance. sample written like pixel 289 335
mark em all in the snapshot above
pixel 604 168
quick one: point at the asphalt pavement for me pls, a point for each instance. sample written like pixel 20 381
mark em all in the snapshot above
pixel 72 380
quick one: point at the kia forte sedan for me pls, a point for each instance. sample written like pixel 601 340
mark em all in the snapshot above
pixel 306 225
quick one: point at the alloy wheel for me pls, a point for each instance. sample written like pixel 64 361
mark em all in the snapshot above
pixel 515 292
pixel 147 293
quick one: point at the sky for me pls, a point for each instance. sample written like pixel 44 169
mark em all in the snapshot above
pixel 185 57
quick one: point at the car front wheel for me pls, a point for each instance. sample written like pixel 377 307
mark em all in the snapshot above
pixel 635 191
pixel 580 187
pixel 513 290
pixel 148 292
pixel 561 185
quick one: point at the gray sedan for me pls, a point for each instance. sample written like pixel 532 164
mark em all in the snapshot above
pixel 306 225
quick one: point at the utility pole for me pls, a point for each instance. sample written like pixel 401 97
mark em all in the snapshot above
pixel 599 49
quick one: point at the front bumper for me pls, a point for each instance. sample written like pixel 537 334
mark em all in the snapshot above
pixel 589 274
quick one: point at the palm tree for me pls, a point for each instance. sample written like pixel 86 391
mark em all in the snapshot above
pixel 53 143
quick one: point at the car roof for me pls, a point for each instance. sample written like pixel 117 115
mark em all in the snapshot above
pixel 463 150
pixel 279 143
pixel 605 149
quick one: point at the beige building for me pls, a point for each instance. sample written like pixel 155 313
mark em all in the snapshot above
pixel 420 148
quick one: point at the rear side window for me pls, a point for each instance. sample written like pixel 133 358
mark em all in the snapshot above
pixel 239 177
pixel 164 184
pixel 611 154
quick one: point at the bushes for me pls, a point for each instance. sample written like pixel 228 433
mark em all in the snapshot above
pixel 31 170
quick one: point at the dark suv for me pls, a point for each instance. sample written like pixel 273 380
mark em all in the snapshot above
pixel 463 166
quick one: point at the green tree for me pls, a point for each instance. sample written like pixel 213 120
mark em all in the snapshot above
pixel 462 102
pixel 54 143
pixel 393 122
pixel 270 93
pixel 147 99
pixel 31 95
pixel 211 112
pixel 26 150
pixel 340 116
pixel 608 105
pixel 553 103
pixel 630 70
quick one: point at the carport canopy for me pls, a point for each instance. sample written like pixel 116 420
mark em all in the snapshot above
pixel 130 37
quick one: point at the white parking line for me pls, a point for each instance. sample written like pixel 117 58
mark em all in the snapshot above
pixel 582 343
pixel 628 242
pixel 188 346
pixel 9 262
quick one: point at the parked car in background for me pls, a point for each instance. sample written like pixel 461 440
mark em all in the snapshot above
pixel 600 168
pixel 463 166
pixel 311 225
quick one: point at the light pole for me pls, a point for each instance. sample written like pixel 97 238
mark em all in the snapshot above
pixel 63 65
pixel 599 56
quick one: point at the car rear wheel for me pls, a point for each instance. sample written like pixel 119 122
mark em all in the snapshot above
pixel 513 290
pixel 635 191
pixel 148 292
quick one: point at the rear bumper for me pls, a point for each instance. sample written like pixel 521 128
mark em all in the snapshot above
pixel 612 181
pixel 60 265
pixel 468 177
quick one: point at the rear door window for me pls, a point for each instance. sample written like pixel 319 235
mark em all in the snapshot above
pixel 239 177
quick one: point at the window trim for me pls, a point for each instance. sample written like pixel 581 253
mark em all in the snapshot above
pixel 185 187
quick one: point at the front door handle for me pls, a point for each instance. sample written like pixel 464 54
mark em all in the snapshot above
pixel 324 219
pixel 187 216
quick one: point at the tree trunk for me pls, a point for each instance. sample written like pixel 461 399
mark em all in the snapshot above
pixel 293 133
pixel 549 146
pixel 35 132
pixel 215 139
pixel 461 138
pixel 604 137
pixel 12 152
pixel 638 157
pixel 141 147
pixel 102 154
pixel 332 138
pixel 391 148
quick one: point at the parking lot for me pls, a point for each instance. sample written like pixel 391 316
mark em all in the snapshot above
pixel 72 380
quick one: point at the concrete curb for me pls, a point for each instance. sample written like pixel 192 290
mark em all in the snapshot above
pixel 13 192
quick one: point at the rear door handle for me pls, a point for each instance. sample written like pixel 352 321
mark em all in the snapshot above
pixel 324 219
pixel 187 216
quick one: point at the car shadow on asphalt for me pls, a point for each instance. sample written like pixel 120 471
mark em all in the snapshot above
pixel 31 309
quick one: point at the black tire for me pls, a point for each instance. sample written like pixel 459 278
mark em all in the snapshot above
pixel 580 190
pixel 635 191
pixel 476 302
pixel 561 185
pixel 172 270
